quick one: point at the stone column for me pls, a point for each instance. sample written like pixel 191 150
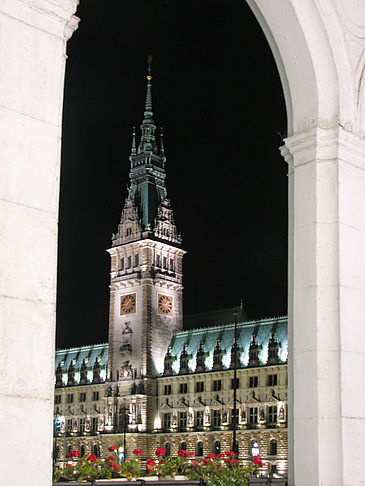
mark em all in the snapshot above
pixel 327 306
pixel 33 35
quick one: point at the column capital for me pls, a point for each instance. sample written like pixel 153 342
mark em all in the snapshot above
pixel 53 16
pixel 324 145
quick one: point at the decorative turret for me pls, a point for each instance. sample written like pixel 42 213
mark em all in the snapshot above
pixel 200 359
pixel 59 375
pixel 71 375
pixel 168 363
pixel 217 357
pixel 184 367
pixel 83 374
pixel 253 354
pixel 273 354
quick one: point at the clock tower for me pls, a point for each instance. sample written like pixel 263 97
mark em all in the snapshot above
pixel 146 263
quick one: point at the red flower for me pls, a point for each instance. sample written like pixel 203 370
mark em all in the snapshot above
pixel 110 458
pixel 257 461
pixel 192 454
pixel 160 451
pixel 212 456
pixel 116 466
pixel 183 453
pixel 137 452
pixel 68 464
pixel 220 455
pixel 74 453
pixel 92 458
pixel 229 453
pixel 112 448
pixel 194 463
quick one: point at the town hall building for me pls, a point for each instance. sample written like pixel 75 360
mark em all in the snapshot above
pixel 158 382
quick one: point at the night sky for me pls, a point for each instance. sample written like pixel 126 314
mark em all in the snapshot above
pixel 217 93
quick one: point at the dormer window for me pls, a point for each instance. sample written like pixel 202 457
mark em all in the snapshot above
pixel 165 263
pixel 171 264
pixel 158 261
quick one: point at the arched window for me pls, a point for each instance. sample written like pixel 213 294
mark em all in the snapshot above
pixel 199 449
pixel 217 447
pixel 57 452
pixel 255 451
pixel 82 450
pixel 168 449
pixel 183 446
pixel 273 447
pixel 69 449
pixel 96 450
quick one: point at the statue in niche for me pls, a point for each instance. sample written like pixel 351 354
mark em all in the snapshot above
pixel 126 371
pixel 243 415
pixel 262 414
pixel 126 346
pixel 191 418
pixel 224 416
pixel 207 416
pixel 83 373
pixel 174 420
pixel 281 413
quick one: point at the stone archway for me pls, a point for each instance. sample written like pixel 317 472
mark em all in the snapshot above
pixel 319 47
pixel 319 50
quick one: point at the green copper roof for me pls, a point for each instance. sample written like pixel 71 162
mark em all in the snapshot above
pixel 65 357
pixel 262 329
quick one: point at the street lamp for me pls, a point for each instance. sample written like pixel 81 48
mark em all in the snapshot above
pixel 235 355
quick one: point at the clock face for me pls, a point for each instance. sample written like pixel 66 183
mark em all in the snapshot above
pixel 128 304
pixel 164 305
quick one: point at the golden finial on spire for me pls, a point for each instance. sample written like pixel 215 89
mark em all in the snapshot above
pixel 149 62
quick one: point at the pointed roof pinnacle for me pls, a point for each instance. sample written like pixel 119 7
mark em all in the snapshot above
pixel 148 107
pixel 134 147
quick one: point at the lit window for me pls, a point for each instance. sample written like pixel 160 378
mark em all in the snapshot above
pixel 273 447
pixel 199 418
pixel 254 381
pixel 168 448
pixel 217 417
pixel 272 415
pixel 217 447
pixel 183 418
pixel 255 451
pixel 272 380
pixel 235 384
pixel 166 420
pixel 217 385
pixel 94 424
pixel 81 426
pixel 199 449
pixel 253 415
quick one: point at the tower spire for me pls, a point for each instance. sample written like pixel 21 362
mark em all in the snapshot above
pixel 148 127
pixel 134 148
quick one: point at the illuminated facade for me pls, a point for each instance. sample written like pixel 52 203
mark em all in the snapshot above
pixel 154 384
